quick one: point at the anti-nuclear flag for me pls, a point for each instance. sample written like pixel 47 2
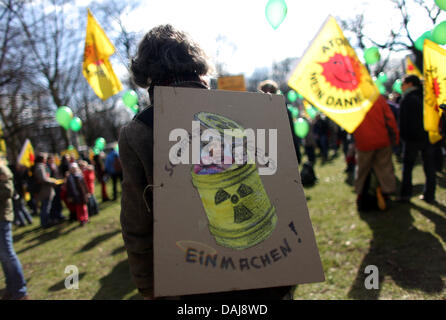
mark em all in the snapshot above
pixel 331 78
pixel 2 143
pixel 97 68
pixel 411 68
pixel 434 65
pixel 26 156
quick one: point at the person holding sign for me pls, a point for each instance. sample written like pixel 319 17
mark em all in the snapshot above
pixel 184 66
pixel 165 57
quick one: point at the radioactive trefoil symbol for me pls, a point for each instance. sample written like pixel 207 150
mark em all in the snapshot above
pixel 241 213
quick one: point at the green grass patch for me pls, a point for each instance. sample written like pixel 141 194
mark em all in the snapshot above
pixel 407 243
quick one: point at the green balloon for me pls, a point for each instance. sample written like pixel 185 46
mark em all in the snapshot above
pixel 100 143
pixel 64 116
pixel 275 12
pixel 293 110
pixel 301 97
pixel 382 77
pixel 441 4
pixel 76 124
pixel 130 98
pixel 292 95
pixel 382 89
pixel 312 112
pixel 419 43
pixel 135 108
pixel 70 147
pixel 96 151
pixel 301 127
pixel 439 33
pixel 397 86
pixel 371 55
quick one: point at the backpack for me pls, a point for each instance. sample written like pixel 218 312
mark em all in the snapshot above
pixel 307 175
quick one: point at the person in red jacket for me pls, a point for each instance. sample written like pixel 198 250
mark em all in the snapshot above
pixel 373 140
pixel 89 177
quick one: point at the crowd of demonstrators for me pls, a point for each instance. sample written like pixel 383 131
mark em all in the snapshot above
pixel 46 186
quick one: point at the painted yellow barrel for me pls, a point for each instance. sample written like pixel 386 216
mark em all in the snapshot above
pixel 238 209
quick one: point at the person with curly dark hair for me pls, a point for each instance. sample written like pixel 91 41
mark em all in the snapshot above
pixel 165 57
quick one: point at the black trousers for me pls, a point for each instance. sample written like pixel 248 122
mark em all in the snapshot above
pixel 115 178
pixel 410 153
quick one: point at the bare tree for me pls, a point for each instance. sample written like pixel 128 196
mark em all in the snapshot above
pixel 398 40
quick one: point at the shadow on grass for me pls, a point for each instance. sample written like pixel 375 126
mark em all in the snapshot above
pixel 441 180
pixel 107 204
pixel 20 236
pixel 117 284
pixel 118 251
pixel 438 220
pixel 413 259
pixel 61 285
pixel 53 233
pixel 97 240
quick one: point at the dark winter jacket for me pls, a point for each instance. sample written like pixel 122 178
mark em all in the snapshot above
pixel 411 117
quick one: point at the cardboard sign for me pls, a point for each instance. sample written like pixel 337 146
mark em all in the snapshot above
pixel 232 83
pixel 233 228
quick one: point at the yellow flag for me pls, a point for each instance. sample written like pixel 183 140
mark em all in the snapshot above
pixel 411 68
pixel 2 143
pixel 97 68
pixel 434 65
pixel 331 77
pixel 26 156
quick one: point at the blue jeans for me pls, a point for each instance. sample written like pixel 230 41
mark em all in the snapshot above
pixel 21 214
pixel 45 212
pixel 15 281
pixel 56 206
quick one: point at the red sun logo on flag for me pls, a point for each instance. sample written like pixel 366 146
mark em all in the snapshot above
pixel 342 72
pixel 410 67
pixel 437 92
pixel 31 158
pixel 436 87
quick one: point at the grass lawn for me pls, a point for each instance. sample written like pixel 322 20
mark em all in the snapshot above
pixel 407 243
